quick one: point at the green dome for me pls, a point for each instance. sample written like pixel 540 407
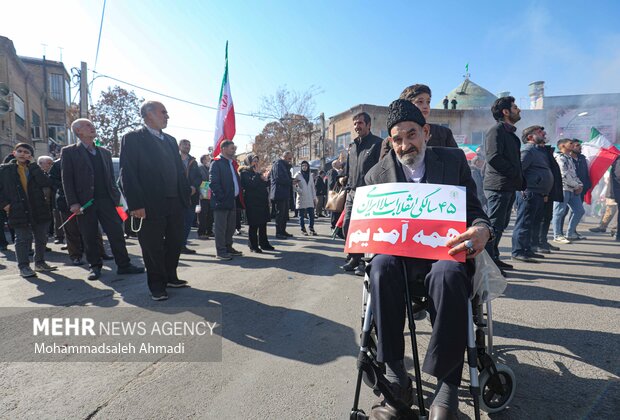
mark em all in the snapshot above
pixel 469 96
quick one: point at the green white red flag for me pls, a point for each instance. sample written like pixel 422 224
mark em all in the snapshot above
pixel 600 153
pixel 225 122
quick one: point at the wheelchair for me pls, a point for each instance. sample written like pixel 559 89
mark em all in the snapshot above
pixel 492 385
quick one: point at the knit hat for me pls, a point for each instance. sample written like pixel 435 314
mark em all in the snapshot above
pixel 402 110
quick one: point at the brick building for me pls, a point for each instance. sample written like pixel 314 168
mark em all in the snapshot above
pixel 34 99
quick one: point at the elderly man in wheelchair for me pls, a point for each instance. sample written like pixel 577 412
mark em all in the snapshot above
pixel 447 284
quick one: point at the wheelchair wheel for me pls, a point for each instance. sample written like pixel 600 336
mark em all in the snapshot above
pixel 496 390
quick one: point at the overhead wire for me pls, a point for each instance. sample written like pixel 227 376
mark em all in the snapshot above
pixel 100 30
pixel 174 97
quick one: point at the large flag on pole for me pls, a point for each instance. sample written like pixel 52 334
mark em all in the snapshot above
pixel 225 122
pixel 600 153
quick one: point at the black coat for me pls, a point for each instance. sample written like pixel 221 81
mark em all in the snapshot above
pixel 444 165
pixel 78 175
pixel 503 153
pixel 281 181
pixel 614 178
pixel 222 185
pixel 363 155
pixel 320 187
pixel 194 178
pixel 255 196
pixel 55 176
pixel 26 209
pixel 557 193
pixel 141 175
pixel 583 173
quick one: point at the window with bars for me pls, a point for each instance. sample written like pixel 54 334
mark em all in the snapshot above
pixel 57 86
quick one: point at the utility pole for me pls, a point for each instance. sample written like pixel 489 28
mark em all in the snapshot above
pixel 83 91
pixel 322 116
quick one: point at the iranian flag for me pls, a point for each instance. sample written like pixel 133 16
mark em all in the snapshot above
pixel 225 122
pixel 122 209
pixel 600 153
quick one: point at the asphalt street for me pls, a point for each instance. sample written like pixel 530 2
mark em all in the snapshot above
pixel 290 333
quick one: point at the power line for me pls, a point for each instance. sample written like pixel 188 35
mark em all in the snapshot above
pixel 100 30
pixel 174 97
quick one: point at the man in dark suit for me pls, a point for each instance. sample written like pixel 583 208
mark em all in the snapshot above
pixel 281 189
pixel 157 193
pixel 420 96
pixel 448 283
pixel 225 188
pixel 87 174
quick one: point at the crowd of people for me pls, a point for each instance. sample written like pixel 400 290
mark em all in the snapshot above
pixel 166 191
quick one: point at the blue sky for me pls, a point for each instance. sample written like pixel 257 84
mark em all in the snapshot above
pixel 353 51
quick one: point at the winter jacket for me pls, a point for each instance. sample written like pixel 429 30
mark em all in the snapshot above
pixel 320 186
pixel 536 170
pixel 194 177
pixel 363 155
pixel 614 178
pixel 583 173
pixel 255 195
pixel 503 169
pixel 26 208
pixel 306 194
pixel 556 193
pixel 570 180
pixel 280 177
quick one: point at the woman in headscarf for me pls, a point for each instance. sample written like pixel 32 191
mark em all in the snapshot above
pixel 306 197
pixel 256 198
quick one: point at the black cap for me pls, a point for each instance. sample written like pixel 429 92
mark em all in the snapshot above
pixel 401 110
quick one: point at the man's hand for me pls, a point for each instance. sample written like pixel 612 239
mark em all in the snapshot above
pixel 139 213
pixel 7 208
pixel 478 235
pixel 579 190
pixel 75 208
pixel 193 190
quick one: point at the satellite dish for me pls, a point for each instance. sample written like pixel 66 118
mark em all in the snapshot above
pixel 4 89
pixel 4 107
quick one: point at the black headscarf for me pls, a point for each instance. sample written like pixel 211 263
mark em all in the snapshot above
pixel 305 174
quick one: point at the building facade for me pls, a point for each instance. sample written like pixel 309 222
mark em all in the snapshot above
pixel 34 100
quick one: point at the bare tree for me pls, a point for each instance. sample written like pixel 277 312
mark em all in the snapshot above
pixel 116 112
pixel 291 115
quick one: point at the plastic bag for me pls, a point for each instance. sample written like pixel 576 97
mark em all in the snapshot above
pixel 488 282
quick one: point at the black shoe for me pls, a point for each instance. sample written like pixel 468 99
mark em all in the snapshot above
pixel 351 265
pixel 48 249
pixel 360 270
pixel 177 283
pixel 534 255
pixel 313 232
pixel 159 296
pixel 502 265
pixel 524 258
pixel 542 250
pixel 267 248
pixel 130 269
pixel 304 231
pixel 186 250
pixel 233 251
pixel 94 274
pixel 551 247
pixel 106 257
pixel 288 234
pixel 77 261
pixel 279 236
pixel 257 250
pixel 598 229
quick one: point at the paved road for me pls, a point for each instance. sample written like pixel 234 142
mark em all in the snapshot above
pixel 290 336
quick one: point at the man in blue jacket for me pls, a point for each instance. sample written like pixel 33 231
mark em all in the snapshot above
pixel 225 187
pixel 530 202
